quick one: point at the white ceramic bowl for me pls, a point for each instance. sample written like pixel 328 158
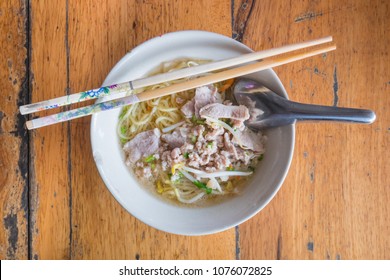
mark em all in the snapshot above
pixel 146 206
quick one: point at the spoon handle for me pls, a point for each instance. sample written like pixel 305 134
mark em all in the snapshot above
pixel 271 110
pixel 300 111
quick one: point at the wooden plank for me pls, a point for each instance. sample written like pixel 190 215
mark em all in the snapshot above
pixel 13 136
pixel 99 35
pixel 334 203
pixel 50 183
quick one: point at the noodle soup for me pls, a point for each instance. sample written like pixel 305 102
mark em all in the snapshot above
pixel 190 147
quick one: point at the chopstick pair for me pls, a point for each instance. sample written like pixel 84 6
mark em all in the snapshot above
pixel 270 59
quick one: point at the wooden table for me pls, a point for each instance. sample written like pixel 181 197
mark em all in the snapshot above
pixel 335 201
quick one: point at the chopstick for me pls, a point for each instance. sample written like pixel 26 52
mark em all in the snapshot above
pixel 129 86
pixel 151 94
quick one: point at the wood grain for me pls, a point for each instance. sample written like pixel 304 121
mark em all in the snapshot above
pixel 13 137
pixel 49 182
pixel 334 202
pixel 100 227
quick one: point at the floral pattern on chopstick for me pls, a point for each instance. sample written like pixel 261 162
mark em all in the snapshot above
pixel 93 93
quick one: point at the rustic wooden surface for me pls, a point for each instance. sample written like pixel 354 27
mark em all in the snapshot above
pixel 334 203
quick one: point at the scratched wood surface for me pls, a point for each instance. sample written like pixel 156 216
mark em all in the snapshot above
pixel 50 190
pixel 13 137
pixel 334 202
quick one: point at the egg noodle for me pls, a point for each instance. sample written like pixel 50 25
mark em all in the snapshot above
pixel 160 112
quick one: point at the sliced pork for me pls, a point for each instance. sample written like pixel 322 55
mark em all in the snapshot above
pixel 203 96
pixel 188 109
pixel 174 139
pixel 142 145
pixel 237 124
pixel 251 105
pixel 221 111
pixel 251 140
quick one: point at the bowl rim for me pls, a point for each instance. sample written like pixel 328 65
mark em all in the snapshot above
pixel 119 64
